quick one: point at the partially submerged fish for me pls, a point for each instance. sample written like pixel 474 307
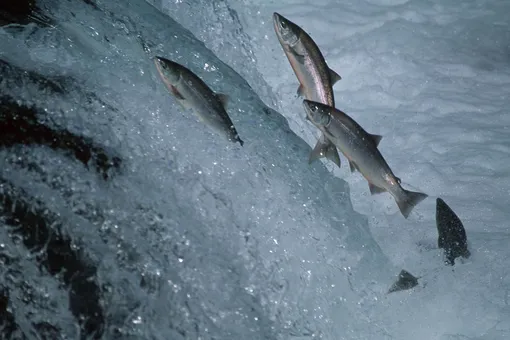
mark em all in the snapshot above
pixel 315 77
pixel 451 233
pixel 192 93
pixel 360 148
pixel 405 281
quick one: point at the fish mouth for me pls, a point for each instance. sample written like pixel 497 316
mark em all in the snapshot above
pixel 167 71
pixel 158 62
pixel 277 20
pixel 287 36
pixel 276 17
pixel 276 24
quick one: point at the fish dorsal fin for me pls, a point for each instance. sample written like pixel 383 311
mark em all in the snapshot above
pixel 223 98
pixel 376 139
pixel 334 77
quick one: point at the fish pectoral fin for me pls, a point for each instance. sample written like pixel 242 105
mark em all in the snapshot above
pixel 224 99
pixel 299 57
pixel 332 154
pixel 334 77
pixel 375 189
pixel 324 149
pixel 376 139
pixel 176 92
pixel 353 166
pixel 300 91
pixel 318 152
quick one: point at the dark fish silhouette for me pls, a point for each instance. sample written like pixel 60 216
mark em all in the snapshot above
pixel 405 281
pixel 452 235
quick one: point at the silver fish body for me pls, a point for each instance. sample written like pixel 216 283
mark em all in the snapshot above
pixel 361 149
pixel 315 77
pixel 194 94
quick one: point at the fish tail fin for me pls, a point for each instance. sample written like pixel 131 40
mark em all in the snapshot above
pixel 408 200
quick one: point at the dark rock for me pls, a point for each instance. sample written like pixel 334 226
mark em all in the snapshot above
pixel 20 126
pixel 41 232
pixel 21 12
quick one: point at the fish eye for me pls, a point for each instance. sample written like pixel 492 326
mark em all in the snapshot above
pixel 283 24
pixel 314 108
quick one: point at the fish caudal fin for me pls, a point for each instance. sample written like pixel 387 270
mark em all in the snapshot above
pixel 408 200
pixel 324 148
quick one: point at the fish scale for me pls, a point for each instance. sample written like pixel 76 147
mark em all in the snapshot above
pixel 320 73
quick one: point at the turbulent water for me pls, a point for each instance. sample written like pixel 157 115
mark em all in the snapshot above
pixel 127 217
pixel 124 217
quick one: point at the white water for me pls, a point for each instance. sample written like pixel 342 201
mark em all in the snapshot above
pixel 252 242
pixel 431 77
